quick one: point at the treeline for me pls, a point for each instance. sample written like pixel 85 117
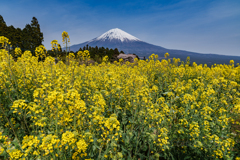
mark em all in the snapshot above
pixel 27 39
pixel 96 53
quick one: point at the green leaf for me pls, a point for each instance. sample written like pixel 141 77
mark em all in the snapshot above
pixel 188 157
pixel 17 125
pixel 165 93
pixel 15 142
pixel 94 147
pixel 124 149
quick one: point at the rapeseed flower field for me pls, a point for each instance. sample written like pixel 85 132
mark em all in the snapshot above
pixel 143 110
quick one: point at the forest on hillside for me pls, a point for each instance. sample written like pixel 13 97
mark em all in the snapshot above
pixel 27 38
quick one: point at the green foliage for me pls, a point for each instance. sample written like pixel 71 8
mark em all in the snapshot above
pixel 37 35
pixel 97 53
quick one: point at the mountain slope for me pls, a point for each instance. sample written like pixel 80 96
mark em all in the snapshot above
pixel 116 38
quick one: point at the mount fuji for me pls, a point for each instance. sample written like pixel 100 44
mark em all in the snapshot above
pixel 117 38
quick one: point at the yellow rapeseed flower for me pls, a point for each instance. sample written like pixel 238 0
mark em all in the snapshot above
pixel 18 51
pixel 65 37
pixel 166 55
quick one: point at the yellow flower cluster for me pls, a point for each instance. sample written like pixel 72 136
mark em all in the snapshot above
pixel 71 56
pixel 166 55
pixel 19 106
pixel 65 37
pixel 4 41
pixel 15 153
pixel 111 123
pixel 3 139
pixel 30 144
pixel 105 59
pixel 83 55
pixel 40 51
pixel 18 51
pixel 55 45
pixel 163 138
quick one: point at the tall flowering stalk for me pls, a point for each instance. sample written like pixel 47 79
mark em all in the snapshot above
pixel 65 40
pixel 55 46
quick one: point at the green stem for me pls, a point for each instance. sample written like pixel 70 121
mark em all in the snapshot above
pixel 100 152
pixel 24 117
pixel 137 145
pixel 66 52
pixel 56 120
pixel 74 119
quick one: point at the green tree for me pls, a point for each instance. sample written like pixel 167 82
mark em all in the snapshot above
pixel 36 34
pixel 27 38
pixel 32 36
pixel 14 35
pixel 111 52
pixel 11 33
pixel 3 27
pixel 18 38
pixel 2 20
pixel 116 51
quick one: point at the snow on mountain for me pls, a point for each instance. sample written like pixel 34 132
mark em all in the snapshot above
pixel 118 34
pixel 117 38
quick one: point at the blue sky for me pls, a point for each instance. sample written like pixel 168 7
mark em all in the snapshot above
pixel 203 26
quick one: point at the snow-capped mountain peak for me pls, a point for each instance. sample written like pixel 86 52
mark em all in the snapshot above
pixel 117 34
